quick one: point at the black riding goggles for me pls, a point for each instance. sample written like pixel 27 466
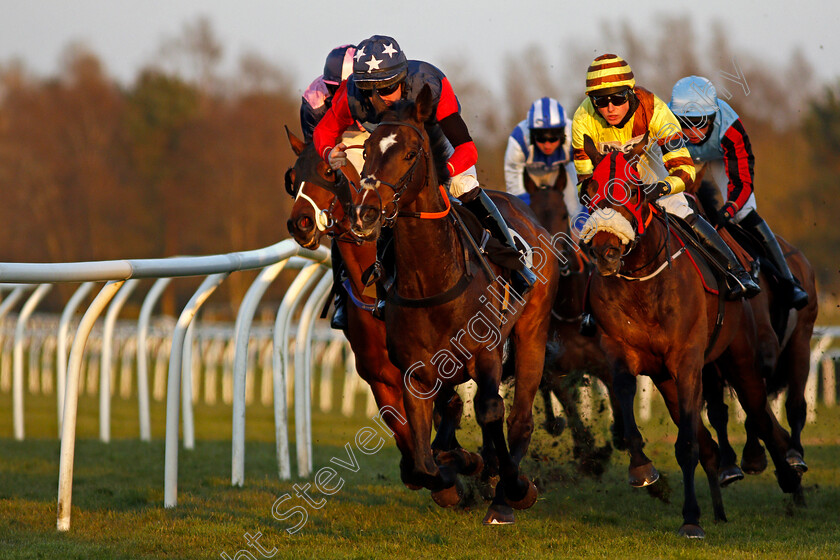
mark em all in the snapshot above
pixel 547 138
pixel 696 122
pixel 387 90
pixel 618 99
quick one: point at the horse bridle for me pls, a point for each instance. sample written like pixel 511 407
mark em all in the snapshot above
pixel 324 217
pixel 403 182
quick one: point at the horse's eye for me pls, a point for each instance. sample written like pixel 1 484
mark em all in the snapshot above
pixel 329 172
pixel 364 154
pixel 410 155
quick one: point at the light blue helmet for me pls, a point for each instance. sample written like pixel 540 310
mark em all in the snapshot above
pixel 546 113
pixel 693 96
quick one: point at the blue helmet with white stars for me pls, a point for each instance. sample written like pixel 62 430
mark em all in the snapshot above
pixel 378 62
pixel 546 113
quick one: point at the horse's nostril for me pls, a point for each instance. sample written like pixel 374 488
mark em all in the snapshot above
pixel 305 223
pixel 369 215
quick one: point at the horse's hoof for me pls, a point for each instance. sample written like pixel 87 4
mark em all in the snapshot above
pixel 448 497
pixel 690 531
pixel 473 466
pixel 755 462
pixel 555 427
pixel 643 475
pixel 412 486
pixel 730 474
pixel 530 497
pixel 499 515
pixel 795 460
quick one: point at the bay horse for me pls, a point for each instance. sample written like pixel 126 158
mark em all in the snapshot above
pixel 575 354
pixel 318 211
pixel 656 318
pixel 448 312
pixel 784 347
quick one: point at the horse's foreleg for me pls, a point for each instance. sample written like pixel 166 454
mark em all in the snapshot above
pixel 687 450
pixel 794 360
pixel 445 447
pixel 389 400
pixel 642 471
pixel 709 453
pixel 426 471
pixel 719 418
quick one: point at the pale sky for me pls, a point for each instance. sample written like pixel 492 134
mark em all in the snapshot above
pixel 296 35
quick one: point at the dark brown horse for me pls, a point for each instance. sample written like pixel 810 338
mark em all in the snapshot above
pixel 447 316
pixel 655 318
pixel 317 212
pixel 784 337
pixel 574 353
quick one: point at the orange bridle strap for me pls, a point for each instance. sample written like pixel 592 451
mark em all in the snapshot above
pixel 436 215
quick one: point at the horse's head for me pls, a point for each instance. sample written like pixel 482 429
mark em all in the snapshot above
pixel 398 164
pixel 547 202
pixel 321 195
pixel 615 199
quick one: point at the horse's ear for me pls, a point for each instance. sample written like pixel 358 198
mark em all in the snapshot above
pixel 639 147
pixel 297 143
pixel 591 150
pixel 424 104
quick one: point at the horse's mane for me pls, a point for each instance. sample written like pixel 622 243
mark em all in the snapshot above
pixel 403 111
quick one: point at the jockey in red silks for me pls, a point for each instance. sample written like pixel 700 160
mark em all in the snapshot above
pixel 617 114
pixel 380 67
pixel 716 136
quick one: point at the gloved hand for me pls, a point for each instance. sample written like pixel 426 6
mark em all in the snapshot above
pixel 338 157
pixel 726 213
pixel 656 190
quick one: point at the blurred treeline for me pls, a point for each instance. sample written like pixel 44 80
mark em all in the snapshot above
pixel 186 160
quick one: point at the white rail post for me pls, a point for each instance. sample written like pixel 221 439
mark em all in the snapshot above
pixel 143 356
pixel 105 359
pixel 645 398
pixel 811 385
pixel 829 381
pixel 68 428
pixel 303 374
pixel 17 377
pixel 242 331
pixel 173 391
pixel 188 421
pixel 332 357
pixel 61 343
pixel 280 361
pixel 8 303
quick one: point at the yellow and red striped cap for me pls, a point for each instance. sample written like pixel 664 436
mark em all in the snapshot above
pixel 608 71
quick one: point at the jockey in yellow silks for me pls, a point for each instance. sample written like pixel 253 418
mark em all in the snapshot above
pixel 617 114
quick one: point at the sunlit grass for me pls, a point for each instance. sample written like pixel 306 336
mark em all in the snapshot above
pixel 118 496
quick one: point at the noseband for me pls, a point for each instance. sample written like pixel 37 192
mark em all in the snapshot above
pixel 324 219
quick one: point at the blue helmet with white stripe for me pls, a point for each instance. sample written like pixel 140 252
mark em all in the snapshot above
pixel 546 113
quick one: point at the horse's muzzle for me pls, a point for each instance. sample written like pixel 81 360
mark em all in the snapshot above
pixel 366 222
pixel 607 260
pixel 302 229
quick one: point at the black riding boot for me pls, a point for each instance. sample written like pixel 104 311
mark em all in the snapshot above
pixel 756 225
pixel 738 280
pixel 485 210
pixel 339 318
